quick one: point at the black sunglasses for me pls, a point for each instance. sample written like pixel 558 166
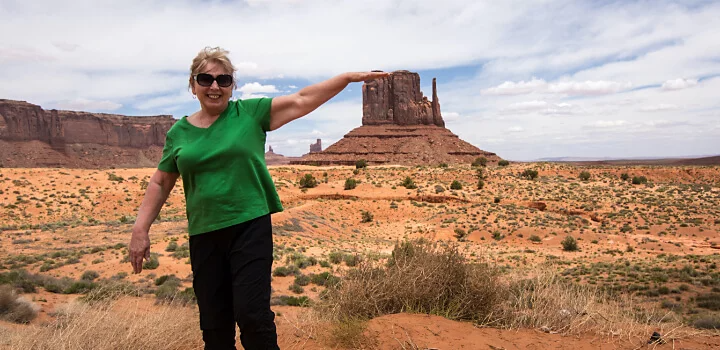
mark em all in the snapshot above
pixel 204 79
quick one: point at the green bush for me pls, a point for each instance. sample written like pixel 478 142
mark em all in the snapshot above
pixel 481 184
pixel 639 180
pixel 325 279
pixel 624 176
pixel 584 176
pixel 362 163
pixel 456 185
pixel 439 189
pixel 302 280
pixel 408 183
pixel 308 181
pixel 503 163
pixel 89 275
pixel 460 234
pixel 350 184
pixel 335 257
pixel 569 244
pixel 297 289
pixel 367 216
pixel 283 271
pixel 172 246
pixel 443 165
pixel 153 263
pixel 529 174
pixel 480 161
pixel 535 238
pixel 351 259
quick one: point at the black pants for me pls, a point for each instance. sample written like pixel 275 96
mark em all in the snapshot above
pixel 231 270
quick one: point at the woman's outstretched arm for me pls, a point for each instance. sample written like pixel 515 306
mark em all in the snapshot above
pixel 287 108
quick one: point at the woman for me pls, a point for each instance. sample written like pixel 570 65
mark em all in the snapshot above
pixel 219 152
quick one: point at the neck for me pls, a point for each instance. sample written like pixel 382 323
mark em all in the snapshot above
pixel 211 113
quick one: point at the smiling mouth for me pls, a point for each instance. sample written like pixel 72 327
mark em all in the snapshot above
pixel 214 97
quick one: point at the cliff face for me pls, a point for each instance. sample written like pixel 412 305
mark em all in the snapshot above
pixel 398 100
pixel 31 136
pixel 22 121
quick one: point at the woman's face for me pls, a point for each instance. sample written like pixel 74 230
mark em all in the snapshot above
pixel 214 98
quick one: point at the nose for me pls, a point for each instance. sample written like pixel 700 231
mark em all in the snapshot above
pixel 214 85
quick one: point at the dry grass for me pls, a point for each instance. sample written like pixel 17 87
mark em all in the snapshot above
pixel 418 277
pixel 112 325
pixel 15 308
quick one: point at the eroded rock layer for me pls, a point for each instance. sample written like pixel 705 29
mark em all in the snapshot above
pixel 33 137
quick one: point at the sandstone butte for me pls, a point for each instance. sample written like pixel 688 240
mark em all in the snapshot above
pixel 33 137
pixel 399 126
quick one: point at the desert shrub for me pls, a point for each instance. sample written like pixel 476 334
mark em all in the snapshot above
pixel 182 252
pixel 114 177
pixel 707 322
pixel 584 176
pixel 351 259
pixel 497 235
pixel 290 301
pixel 366 216
pixel 503 162
pixel 302 280
pixel 709 301
pixel 324 279
pixel 167 279
pixel 350 184
pixel 110 290
pixel 361 163
pixel 417 278
pixel 152 263
pixel 15 309
pixel 480 184
pixel 443 165
pixel 535 238
pixel 460 234
pixel 456 185
pixel 297 289
pixel 308 181
pixel 89 275
pixel 480 161
pixel 624 176
pixel 408 183
pixel 335 257
pixel 169 293
pixel 21 280
pixel 171 247
pixel 569 244
pixel 282 271
pixel 639 180
pixel 439 189
pixel 529 174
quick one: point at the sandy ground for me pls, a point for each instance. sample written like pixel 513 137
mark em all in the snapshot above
pixel 64 222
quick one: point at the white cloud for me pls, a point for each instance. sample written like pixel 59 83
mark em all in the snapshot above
pixel 679 84
pixel 82 104
pixel 516 129
pixel 607 123
pixel 519 88
pixel 164 101
pixel 588 87
pixel 659 108
pixel 292 87
pixel 246 96
pixel 250 88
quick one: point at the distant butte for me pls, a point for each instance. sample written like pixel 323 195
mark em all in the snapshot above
pixel 33 137
pixel 399 126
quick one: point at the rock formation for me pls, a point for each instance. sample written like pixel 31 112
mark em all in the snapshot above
pixel 399 126
pixel 31 136
pixel 272 158
pixel 316 147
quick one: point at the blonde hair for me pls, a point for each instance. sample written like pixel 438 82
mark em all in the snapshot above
pixel 214 54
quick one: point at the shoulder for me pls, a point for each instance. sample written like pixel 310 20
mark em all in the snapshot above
pixel 177 128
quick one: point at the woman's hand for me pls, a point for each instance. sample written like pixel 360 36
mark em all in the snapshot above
pixel 356 77
pixel 139 249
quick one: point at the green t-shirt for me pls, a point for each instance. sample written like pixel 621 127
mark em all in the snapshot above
pixel 223 168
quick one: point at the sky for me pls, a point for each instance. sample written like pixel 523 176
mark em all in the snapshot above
pixel 526 79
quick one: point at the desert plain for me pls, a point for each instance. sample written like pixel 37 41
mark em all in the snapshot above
pixel 547 260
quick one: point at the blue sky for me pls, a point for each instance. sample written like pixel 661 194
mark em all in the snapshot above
pixel 525 79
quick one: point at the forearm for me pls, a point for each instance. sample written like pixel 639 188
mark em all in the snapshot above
pixel 155 197
pixel 313 96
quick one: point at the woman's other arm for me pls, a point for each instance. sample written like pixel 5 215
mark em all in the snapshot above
pixel 158 190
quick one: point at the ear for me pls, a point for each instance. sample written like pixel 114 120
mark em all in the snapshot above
pixel 193 88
